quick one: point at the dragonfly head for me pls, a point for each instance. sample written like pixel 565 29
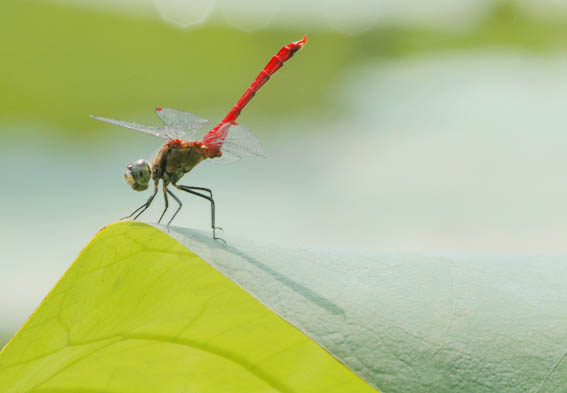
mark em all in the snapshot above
pixel 138 174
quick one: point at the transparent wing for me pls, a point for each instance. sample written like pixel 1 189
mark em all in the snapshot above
pixel 239 143
pixel 179 124
pixel 155 131
pixel 176 133
pixel 181 121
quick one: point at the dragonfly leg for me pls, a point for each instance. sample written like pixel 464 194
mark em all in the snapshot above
pixel 178 208
pixel 208 190
pixel 143 208
pixel 166 203
pixel 201 189
pixel 191 190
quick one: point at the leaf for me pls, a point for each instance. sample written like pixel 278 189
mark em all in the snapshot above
pixel 414 323
pixel 139 312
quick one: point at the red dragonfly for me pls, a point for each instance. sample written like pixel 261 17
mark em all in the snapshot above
pixel 181 153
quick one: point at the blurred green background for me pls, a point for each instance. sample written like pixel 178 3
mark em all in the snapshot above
pixel 433 127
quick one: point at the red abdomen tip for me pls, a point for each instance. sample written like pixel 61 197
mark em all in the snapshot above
pixel 302 41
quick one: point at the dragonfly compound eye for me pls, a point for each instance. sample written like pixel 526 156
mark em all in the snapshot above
pixel 138 175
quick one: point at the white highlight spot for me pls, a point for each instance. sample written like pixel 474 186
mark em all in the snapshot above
pixel 249 15
pixel 184 13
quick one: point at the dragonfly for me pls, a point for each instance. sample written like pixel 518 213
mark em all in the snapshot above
pixel 227 141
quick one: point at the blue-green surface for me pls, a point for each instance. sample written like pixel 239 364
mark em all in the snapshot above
pixel 415 323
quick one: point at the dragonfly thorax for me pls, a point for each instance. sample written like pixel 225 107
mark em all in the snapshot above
pixel 177 157
pixel 138 174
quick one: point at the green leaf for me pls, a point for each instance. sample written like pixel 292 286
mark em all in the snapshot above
pixel 139 312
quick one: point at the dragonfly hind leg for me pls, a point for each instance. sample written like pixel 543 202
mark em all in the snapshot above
pixel 143 208
pixel 209 197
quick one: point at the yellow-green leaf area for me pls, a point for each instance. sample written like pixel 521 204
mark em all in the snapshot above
pixel 139 312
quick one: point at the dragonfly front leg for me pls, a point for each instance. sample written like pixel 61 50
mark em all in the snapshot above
pixel 143 208
pixel 207 197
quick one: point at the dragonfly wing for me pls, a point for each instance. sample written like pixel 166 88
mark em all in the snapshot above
pixel 180 125
pixel 238 143
pixel 177 133
pixel 226 158
pixel 155 131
